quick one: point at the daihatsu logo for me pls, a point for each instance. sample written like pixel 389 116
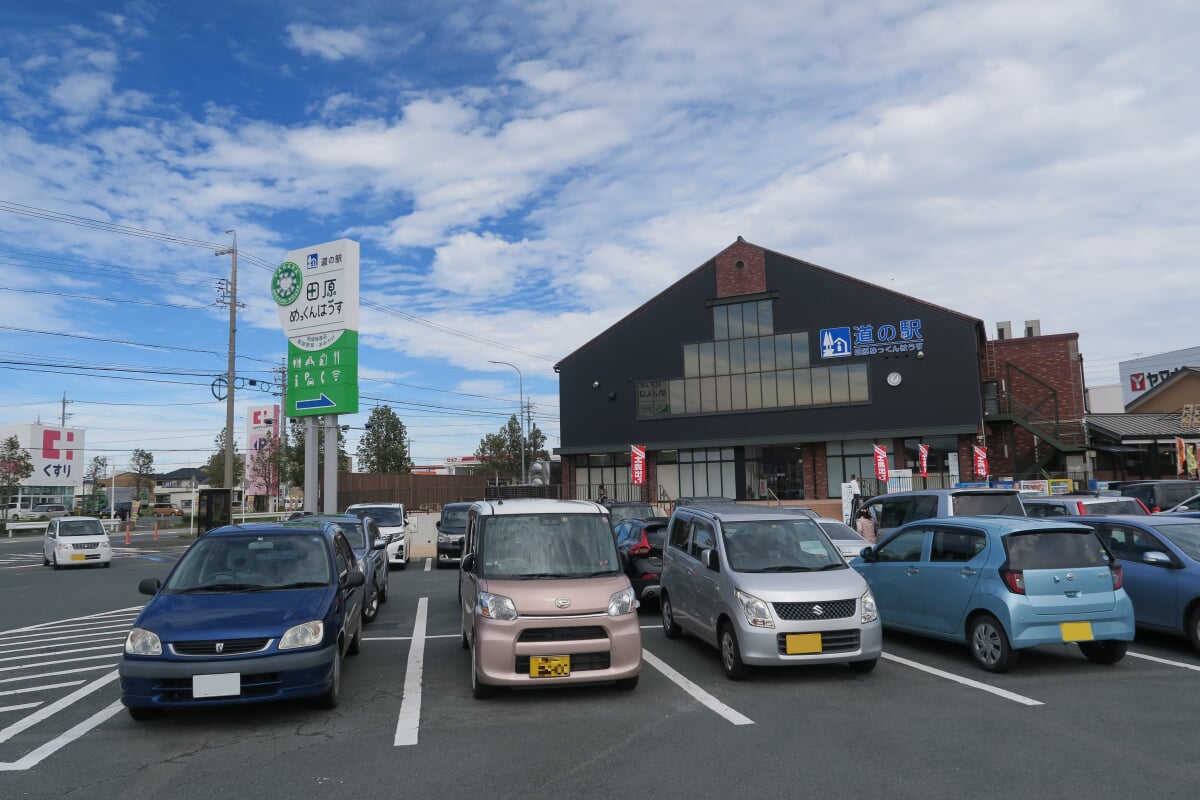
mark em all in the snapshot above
pixel 563 602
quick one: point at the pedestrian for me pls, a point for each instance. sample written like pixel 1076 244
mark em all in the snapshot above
pixel 855 495
pixel 602 496
pixel 866 525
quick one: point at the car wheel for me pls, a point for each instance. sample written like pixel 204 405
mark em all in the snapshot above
pixel 107 564
pixel 333 694
pixel 371 607
pixel 480 691
pixel 144 713
pixel 864 666
pixel 384 589
pixel 54 561
pixel 989 644
pixel 627 684
pixel 1193 628
pixel 670 629
pixel 356 643
pixel 45 561
pixel 731 654
pixel 1107 652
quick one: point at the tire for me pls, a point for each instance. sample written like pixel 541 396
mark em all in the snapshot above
pixel 54 562
pixel 384 590
pixel 670 628
pixel 355 646
pixel 1106 652
pixel 864 666
pixel 371 607
pixel 107 564
pixel 989 644
pixel 144 713
pixel 731 654
pixel 480 691
pixel 45 561
pixel 1193 628
pixel 627 684
pixel 333 695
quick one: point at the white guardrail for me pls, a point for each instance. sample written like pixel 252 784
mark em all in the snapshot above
pixel 109 524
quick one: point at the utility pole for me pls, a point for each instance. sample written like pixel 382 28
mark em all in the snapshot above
pixel 231 373
pixel 64 410
pixel 520 410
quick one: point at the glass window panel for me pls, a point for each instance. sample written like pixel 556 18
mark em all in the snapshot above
pixel 752 362
pixel 724 395
pixel 833 449
pixel 677 405
pixel 766 322
pixel 700 481
pixel 859 386
pixel 685 456
pixel 783 351
pixel 766 353
pixel 714 480
pixel 786 388
pixel 692 395
pixel 749 319
pixel 820 385
pixel 735 321
pixel 706 360
pixel 799 350
pixel 708 394
pixel 685 481
pixel 839 384
pixel 720 322
pixel 727 454
pixel 691 361
pixel 737 385
pixel 721 358
pixel 754 390
pixel 728 476
pixel 803 387
pixel 737 356
pixel 769 398
pixel 667 457
pixel 713 454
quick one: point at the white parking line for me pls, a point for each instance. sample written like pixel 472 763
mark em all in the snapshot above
pixel 428 564
pixel 1168 662
pixel 983 687
pixel 21 707
pixel 55 707
pixel 695 691
pixel 409 638
pixel 409 721
pixel 44 687
pixel 51 747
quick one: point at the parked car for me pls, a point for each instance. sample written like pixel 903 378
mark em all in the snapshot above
pixel 368 545
pixel 43 511
pixel 1066 505
pixel 844 538
pixel 543 599
pixel 641 541
pixel 618 512
pixel 900 508
pixel 1001 584
pixel 1191 504
pixel 1160 495
pixel 451 530
pixel 119 510
pixel 393 524
pixel 167 510
pixel 75 541
pixel 1160 557
pixel 249 613
pixel 765 586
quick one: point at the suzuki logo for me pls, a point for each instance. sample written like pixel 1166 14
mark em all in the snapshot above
pixel 818 609
pixel 563 602
pixel 220 647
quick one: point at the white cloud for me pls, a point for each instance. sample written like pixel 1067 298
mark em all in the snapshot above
pixel 330 44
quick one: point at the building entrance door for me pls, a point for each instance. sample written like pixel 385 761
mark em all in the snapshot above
pixel 775 472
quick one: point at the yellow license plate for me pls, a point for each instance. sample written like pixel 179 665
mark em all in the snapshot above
pixel 800 643
pixel 78 557
pixel 1076 631
pixel 549 666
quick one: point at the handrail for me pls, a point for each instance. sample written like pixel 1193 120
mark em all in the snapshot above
pixel 771 492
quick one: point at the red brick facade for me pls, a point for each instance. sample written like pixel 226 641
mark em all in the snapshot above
pixel 741 269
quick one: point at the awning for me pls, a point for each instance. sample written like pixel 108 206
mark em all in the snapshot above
pixel 1118 448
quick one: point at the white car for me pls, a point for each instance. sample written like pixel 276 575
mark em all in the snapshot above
pixel 73 541
pixel 43 511
pixel 393 524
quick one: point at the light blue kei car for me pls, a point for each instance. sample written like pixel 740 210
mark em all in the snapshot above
pixel 1001 584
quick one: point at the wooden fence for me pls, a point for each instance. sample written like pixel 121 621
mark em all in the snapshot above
pixel 416 492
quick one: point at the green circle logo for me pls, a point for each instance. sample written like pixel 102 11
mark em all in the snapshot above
pixel 286 283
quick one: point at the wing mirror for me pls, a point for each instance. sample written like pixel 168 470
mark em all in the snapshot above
pixel 355 579
pixel 1156 558
pixel 710 559
pixel 149 586
pixel 867 554
pixel 468 562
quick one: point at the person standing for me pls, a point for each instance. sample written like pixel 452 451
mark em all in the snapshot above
pixel 602 496
pixel 866 525
pixel 855 496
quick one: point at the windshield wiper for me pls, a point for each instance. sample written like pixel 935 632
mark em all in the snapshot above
pixel 598 574
pixel 832 566
pixel 784 568
pixel 300 585
pixel 224 587
pixel 535 575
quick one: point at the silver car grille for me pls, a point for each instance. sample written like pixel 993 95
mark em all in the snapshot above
pixel 825 609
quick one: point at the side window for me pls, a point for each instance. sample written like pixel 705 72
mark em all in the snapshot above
pixel 905 547
pixel 923 507
pixel 956 545
pixel 893 513
pixel 340 560
pixel 703 537
pixel 472 527
pixel 1129 544
pixel 679 533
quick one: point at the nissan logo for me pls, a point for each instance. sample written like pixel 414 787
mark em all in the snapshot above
pixel 563 602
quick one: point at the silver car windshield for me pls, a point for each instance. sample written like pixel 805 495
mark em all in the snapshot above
pixel 548 546
pixel 779 545
pixel 81 527
pixel 241 563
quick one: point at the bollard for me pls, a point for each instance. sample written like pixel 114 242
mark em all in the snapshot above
pixel 127 540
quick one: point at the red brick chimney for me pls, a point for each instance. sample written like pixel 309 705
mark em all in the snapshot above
pixel 741 269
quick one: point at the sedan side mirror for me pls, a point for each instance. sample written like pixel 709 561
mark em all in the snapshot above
pixel 149 586
pixel 867 554
pixel 355 579
pixel 1156 558
pixel 468 562
pixel 380 543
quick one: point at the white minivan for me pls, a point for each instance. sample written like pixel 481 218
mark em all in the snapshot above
pixel 74 541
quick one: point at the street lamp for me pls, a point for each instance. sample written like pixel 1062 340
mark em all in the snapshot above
pixel 520 410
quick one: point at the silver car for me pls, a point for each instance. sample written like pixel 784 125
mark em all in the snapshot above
pixel 765 587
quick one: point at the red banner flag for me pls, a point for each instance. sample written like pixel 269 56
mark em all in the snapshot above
pixel 1180 456
pixel 981 464
pixel 881 465
pixel 923 457
pixel 637 464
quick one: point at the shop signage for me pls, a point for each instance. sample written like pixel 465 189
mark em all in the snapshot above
pixel 869 339
pixel 637 464
pixel 923 457
pixel 1191 416
pixel 881 462
pixel 981 461
pixel 1141 375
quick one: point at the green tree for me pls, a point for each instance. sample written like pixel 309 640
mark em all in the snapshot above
pixel 266 464
pixel 216 463
pixel 16 464
pixel 384 447
pixel 501 452
pixel 96 471
pixel 141 464
pixel 295 452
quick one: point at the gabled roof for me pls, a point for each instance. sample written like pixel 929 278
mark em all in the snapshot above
pixel 184 474
pixel 1186 373
pixel 1137 426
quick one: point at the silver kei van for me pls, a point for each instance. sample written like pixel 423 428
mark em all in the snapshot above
pixel 765 587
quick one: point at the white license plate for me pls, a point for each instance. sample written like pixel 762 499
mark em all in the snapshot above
pixel 222 684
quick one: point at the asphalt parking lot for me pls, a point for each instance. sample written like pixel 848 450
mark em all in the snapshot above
pixel 926 723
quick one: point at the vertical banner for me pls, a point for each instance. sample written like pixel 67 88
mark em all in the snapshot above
pixel 923 457
pixel 1180 456
pixel 637 464
pixel 262 430
pixel 881 464
pixel 981 461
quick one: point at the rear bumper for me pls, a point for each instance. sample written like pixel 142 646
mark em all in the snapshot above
pixel 500 652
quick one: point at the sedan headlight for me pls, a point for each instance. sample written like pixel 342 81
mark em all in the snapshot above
pixel 141 642
pixel 869 612
pixel 306 634
pixel 622 602
pixel 756 611
pixel 496 606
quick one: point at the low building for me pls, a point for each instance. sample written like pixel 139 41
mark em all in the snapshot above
pixel 58 464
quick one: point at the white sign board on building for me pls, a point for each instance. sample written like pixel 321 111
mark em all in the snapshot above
pixel 56 453
pixel 1141 375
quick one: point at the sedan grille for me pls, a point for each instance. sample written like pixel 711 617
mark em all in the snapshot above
pixel 827 609
pixel 228 647
pixel 563 634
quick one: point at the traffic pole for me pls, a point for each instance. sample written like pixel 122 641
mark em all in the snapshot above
pixel 156 529
pixel 127 540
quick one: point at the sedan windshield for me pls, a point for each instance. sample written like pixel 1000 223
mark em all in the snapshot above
pixel 230 563
pixel 81 527
pixel 384 516
pixel 1185 536
pixel 779 545
pixel 548 546
pixel 969 504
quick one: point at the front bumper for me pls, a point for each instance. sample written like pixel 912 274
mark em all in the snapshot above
pixel 614 651
pixel 450 549
pixel 842 640
pixel 397 551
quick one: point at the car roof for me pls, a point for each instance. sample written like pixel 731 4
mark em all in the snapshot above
pixel 537 505
pixel 65 519
pixel 1002 524
pixel 1137 519
pixel 947 492
pixel 284 528
pixel 456 505
pixel 738 512
pixel 374 505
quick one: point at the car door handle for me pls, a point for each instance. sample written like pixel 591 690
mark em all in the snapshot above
pixel 912 570
pixel 966 572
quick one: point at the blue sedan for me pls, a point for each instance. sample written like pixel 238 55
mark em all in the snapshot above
pixel 1001 584
pixel 249 613
pixel 1161 558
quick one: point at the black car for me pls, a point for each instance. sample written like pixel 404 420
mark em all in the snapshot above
pixel 451 529
pixel 642 540
pixel 120 510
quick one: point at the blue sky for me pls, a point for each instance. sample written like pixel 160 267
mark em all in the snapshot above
pixel 528 172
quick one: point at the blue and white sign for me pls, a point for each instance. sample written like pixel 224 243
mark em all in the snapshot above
pixel 835 342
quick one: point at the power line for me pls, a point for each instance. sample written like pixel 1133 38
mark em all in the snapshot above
pixel 105 299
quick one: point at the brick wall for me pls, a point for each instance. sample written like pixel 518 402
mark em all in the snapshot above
pixel 741 269
pixel 1053 359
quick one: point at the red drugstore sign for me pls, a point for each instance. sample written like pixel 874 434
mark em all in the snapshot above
pixel 981 465
pixel 637 464
pixel 881 465
pixel 923 457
